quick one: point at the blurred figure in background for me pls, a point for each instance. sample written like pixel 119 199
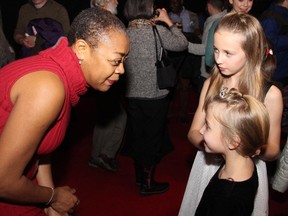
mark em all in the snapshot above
pixel 148 139
pixel 188 65
pixel 183 18
pixel 7 53
pixel 110 5
pixel 216 10
pixel 40 24
pixel 275 24
pixel 111 116
pixel 242 6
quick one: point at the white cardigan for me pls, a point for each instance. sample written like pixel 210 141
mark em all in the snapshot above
pixel 280 179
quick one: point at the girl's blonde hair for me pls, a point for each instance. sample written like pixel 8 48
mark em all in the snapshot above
pixel 245 117
pixel 255 47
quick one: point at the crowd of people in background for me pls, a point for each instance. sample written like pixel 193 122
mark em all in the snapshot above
pixel 235 60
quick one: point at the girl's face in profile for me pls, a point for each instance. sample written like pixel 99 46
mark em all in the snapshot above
pixel 212 131
pixel 229 55
pixel 243 6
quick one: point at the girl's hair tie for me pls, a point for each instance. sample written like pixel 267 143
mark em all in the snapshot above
pixel 269 52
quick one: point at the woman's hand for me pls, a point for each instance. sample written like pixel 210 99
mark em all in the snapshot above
pixel 51 212
pixel 29 41
pixel 163 17
pixel 64 201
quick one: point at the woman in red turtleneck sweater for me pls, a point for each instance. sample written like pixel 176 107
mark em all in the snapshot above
pixel 36 95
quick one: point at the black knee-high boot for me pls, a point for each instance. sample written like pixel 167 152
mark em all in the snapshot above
pixel 149 186
pixel 138 173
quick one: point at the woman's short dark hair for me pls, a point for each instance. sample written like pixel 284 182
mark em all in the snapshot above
pixel 93 25
pixel 138 9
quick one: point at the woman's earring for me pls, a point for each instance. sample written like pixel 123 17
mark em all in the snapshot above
pixel 80 61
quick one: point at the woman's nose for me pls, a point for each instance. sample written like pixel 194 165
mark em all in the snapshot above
pixel 120 69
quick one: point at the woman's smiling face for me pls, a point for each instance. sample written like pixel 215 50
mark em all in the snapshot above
pixel 103 65
pixel 243 6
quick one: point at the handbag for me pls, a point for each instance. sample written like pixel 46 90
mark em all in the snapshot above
pixel 166 71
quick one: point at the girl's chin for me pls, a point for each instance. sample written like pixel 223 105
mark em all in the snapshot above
pixel 206 148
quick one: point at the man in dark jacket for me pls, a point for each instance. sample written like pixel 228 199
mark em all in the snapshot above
pixel 275 24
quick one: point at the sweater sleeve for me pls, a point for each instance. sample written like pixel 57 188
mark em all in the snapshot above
pixel 196 49
pixel 280 179
pixel 173 39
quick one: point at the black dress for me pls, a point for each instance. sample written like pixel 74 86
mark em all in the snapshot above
pixel 223 197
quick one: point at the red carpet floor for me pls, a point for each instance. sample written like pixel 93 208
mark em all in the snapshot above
pixel 104 193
